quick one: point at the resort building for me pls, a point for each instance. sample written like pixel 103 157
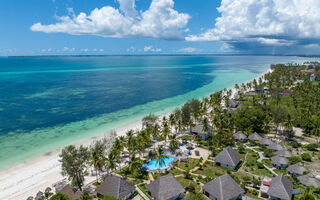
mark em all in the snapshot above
pixel 255 137
pixel 266 182
pixel 115 186
pixel 284 153
pixel 279 162
pixel 239 136
pixel 275 146
pixel 69 191
pixel 265 141
pixel 223 188
pixel 309 180
pixel 233 103
pixel 280 188
pixel 313 77
pixel 166 188
pixel 198 130
pixel 297 169
pixel 228 158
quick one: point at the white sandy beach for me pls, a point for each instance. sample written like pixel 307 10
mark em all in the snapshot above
pixel 26 180
pixel 20 182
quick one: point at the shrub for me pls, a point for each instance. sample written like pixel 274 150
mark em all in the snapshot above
pixel 260 165
pixel 293 160
pixel 295 144
pixel 268 153
pixel 312 147
pixel 306 157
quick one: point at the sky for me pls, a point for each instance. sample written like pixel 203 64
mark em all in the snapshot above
pixel 135 27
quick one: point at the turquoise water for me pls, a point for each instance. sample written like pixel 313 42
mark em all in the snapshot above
pixel 48 102
pixel 154 166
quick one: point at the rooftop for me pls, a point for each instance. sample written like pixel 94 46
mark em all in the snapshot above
pixel 228 156
pixel 281 187
pixel 165 187
pixel 223 188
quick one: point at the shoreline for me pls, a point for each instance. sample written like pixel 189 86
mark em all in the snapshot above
pixel 36 174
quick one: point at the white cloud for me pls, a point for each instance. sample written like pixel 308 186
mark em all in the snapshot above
pixel 67 49
pixel 151 49
pixel 187 50
pixel 131 49
pixel 268 22
pixel 159 21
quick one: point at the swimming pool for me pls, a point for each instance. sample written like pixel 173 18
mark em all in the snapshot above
pixel 154 166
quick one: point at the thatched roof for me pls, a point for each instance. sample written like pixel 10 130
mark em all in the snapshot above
pixel 165 187
pixel 265 141
pixel 115 186
pixel 239 135
pixel 284 153
pixel 281 188
pixel 70 192
pixel 223 188
pixel 278 160
pixel 275 146
pixel 255 137
pixel 309 180
pixel 297 168
pixel 228 156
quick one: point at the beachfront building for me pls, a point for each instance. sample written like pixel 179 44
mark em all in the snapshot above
pixel 309 180
pixel 228 158
pixel 280 188
pixel 166 188
pixel 199 131
pixel 297 169
pixel 239 136
pixel 69 191
pixel 233 103
pixel 255 137
pixel 115 186
pixel 279 162
pixel 223 188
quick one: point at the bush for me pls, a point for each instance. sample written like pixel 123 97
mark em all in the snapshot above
pixel 293 160
pixel 312 147
pixel 260 165
pixel 295 144
pixel 306 157
pixel 268 153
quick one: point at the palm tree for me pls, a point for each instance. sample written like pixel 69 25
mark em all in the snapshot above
pixel 97 156
pixel 134 163
pixel 173 142
pixel 172 120
pixel 307 194
pixel 160 156
pixel 112 161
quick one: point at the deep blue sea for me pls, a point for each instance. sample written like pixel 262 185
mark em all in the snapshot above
pixel 48 102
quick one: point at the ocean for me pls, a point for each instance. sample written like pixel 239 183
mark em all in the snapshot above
pixel 49 102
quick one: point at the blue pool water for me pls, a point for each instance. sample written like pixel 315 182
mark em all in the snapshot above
pixel 154 166
pixel 49 102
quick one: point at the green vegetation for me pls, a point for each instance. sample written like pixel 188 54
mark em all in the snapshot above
pixel 289 100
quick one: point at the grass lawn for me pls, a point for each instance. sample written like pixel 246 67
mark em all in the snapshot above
pixel 252 165
pixel 267 162
pixel 144 190
pixel 176 171
pixel 186 182
pixel 190 165
pixel 211 170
